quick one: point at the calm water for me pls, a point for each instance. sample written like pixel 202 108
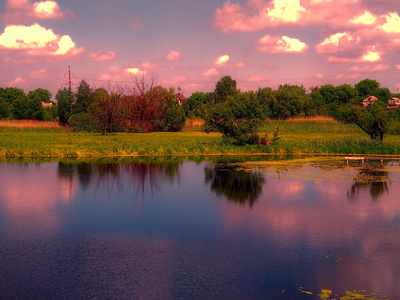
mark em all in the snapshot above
pixel 312 229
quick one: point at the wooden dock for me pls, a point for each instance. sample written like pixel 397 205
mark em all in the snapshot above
pixel 362 159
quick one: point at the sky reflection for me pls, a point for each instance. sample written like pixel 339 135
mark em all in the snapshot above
pixel 206 230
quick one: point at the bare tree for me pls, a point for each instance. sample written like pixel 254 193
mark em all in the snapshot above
pixel 107 106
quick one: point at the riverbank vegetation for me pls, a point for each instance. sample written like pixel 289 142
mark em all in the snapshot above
pixel 151 120
pixel 319 135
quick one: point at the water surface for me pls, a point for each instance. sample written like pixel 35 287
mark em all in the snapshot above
pixel 286 229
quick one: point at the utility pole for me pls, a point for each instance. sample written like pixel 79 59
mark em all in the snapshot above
pixel 68 74
pixel 69 78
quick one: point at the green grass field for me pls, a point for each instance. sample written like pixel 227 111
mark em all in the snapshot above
pixel 299 136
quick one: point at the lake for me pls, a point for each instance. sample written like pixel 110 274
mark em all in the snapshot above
pixel 215 228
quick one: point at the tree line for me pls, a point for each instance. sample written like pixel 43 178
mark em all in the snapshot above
pixel 238 115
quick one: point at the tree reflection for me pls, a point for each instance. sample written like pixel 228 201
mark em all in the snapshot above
pixel 236 185
pixel 372 178
pixel 140 177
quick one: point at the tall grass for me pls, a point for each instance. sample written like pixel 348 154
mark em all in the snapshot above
pixel 299 136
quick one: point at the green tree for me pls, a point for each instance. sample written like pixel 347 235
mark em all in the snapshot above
pixel 225 87
pixel 290 101
pixel 20 107
pixel 5 109
pixel 373 119
pixel 83 98
pixel 239 118
pixel 64 99
pixel 367 87
pixel 9 94
pixel 42 94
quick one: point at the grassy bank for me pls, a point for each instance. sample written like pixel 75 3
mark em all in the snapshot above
pixel 300 136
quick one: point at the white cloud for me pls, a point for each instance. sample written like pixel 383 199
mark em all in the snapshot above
pixel 133 71
pixel 365 19
pixel 284 44
pixel 288 11
pixel 221 60
pixel 337 42
pixel 173 56
pixel 372 56
pixel 392 24
pixel 37 40
pixel 47 10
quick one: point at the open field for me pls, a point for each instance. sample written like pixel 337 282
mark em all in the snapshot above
pixel 306 136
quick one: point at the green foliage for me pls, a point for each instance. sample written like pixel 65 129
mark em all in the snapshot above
pixel 107 109
pixel 373 120
pixel 42 94
pixel 83 98
pixel 5 109
pixel 64 99
pixel 9 94
pixel 225 87
pixel 238 117
pixel 367 87
pixel 290 101
pixel 83 122
pixel 197 104
pixel 174 119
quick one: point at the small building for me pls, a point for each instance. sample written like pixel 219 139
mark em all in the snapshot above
pixel 369 101
pixel 394 102
pixel 180 99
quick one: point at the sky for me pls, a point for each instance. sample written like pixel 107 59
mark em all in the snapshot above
pixel 191 44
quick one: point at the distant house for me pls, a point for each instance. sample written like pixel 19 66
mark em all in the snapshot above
pixel 180 99
pixel 394 102
pixel 44 104
pixel 369 101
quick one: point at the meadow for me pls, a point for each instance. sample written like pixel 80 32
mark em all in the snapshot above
pixel 300 136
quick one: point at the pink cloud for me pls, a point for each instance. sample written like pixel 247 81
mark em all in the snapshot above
pixel 211 72
pixel 256 79
pixel 102 56
pixel 337 42
pixel 15 81
pixel 234 17
pixel 18 11
pixel 373 68
pixel 135 23
pixel 42 73
pixel 115 69
pixel 108 77
pixel 351 75
pixel 173 56
pixel 284 44
pixel 256 14
pixel 148 66
pixel 240 65
pixel 37 40
pixel 319 76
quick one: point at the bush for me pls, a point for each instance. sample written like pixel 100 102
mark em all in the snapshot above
pixel 83 122
pixel 174 119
